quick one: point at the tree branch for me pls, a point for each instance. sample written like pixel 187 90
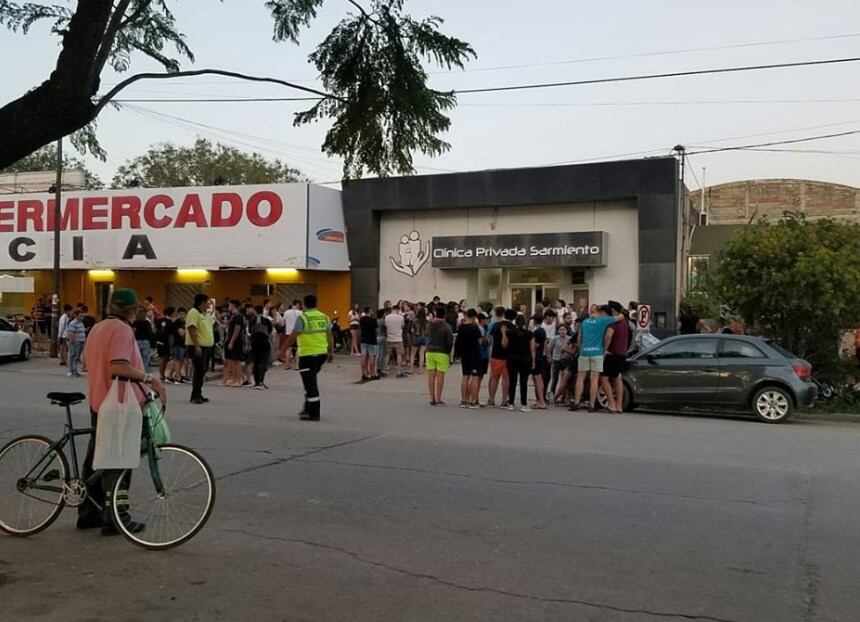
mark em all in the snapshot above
pixel 103 101
pixel 364 12
pixel 116 22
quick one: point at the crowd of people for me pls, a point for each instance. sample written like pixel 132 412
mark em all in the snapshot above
pixel 563 352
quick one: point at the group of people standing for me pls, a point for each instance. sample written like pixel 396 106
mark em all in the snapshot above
pixel 565 355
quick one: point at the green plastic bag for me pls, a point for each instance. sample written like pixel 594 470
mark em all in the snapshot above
pixel 154 414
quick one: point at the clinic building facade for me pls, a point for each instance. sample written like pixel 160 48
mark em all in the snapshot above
pixel 583 233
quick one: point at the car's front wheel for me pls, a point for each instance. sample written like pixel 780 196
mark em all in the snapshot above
pixel 772 405
pixel 26 349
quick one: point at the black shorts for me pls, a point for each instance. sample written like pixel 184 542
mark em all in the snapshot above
pixel 613 366
pixel 537 370
pixel 163 351
pixel 572 365
pixel 236 353
pixel 483 366
pixel 472 366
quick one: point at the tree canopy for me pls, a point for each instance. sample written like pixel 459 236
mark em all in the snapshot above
pixel 371 65
pixel 797 281
pixel 203 164
pixel 45 159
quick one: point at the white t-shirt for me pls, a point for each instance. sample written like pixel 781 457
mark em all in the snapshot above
pixel 63 327
pixel 290 317
pixel 394 327
pixel 550 329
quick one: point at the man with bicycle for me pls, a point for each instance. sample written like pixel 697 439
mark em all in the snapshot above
pixel 111 352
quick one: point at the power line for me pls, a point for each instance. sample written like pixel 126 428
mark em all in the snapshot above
pixel 646 54
pixel 545 85
pixel 211 100
pixel 661 103
pixel 653 76
pixel 774 143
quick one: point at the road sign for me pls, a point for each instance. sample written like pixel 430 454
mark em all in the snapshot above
pixel 643 317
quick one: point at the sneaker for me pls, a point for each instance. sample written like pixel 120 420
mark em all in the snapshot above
pixel 89 522
pixel 574 407
pixel 307 417
pixel 525 409
pixel 506 404
pixel 69 374
pixel 491 402
pixel 509 407
pixel 464 404
pixel 198 400
pixel 260 387
pixel 473 406
pixel 247 383
pixel 130 526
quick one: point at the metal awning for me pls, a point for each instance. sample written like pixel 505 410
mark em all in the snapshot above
pixel 16 284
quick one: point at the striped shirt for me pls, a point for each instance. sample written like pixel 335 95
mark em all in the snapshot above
pixel 77 331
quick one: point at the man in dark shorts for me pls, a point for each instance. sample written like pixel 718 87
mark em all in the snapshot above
pixel 615 359
pixel 498 355
pixel 234 346
pixel 541 366
pixel 467 346
pixel 164 340
pixel 366 331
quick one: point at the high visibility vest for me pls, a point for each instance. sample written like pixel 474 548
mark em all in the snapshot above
pixel 313 339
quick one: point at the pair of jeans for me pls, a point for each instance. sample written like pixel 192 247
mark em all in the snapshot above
pixel 309 367
pixel 145 350
pixel 557 368
pixel 518 369
pixel 76 348
pixel 261 353
pixel 200 362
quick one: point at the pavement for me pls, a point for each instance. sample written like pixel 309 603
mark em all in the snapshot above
pixel 390 509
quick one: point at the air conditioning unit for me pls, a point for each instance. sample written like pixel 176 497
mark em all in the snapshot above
pixel 703 220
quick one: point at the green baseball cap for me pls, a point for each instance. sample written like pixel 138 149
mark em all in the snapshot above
pixel 123 298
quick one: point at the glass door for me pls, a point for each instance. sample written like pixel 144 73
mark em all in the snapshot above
pixel 103 294
pixel 523 299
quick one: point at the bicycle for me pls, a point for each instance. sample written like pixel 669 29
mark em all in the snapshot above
pixel 172 494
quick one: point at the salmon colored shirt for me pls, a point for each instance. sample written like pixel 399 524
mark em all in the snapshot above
pixel 110 340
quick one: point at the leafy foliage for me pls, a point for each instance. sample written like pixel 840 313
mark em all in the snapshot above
pixel 797 281
pixel 382 107
pixel 45 159
pixel 202 164
pixel 372 66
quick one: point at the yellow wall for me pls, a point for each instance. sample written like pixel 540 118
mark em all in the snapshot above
pixel 333 288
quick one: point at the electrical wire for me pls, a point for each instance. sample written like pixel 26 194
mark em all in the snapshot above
pixel 774 143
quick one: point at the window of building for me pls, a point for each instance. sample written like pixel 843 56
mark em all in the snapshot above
pixel 697 266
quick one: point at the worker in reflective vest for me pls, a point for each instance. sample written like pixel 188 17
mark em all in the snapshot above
pixel 316 346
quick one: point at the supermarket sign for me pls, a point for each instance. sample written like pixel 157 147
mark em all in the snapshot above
pixel 261 226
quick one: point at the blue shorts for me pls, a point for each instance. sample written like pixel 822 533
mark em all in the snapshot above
pixel 370 349
pixel 179 353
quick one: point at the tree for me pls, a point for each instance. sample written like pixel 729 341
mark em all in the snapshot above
pixel 797 281
pixel 371 65
pixel 202 164
pixel 45 159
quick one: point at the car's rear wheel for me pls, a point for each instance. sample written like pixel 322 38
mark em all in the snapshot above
pixel 26 349
pixel 772 405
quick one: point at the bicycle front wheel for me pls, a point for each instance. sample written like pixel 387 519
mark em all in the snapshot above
pixel 32 476
pixel 163 519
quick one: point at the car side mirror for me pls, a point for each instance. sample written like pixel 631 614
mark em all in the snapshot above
pixel 651 359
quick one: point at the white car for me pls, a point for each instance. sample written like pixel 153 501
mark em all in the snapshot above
pixel 14 342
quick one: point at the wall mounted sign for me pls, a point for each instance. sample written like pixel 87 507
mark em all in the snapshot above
pixel 582 248
pixel 412 254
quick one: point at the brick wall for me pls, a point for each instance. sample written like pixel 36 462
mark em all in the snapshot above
pixel 741 201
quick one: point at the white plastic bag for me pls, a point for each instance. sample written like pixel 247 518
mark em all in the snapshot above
pixel 118 431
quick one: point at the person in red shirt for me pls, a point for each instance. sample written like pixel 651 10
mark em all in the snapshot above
pixel 617 341
pixel 111 351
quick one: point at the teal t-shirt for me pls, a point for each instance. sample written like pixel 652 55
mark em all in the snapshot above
pixel 593 329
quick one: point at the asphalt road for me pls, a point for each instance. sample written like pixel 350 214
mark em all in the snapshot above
pixel 392 510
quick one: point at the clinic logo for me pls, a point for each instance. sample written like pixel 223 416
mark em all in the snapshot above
pixel 330 235
pixel 412 254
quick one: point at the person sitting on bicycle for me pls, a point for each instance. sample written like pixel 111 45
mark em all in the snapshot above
pixel 111 351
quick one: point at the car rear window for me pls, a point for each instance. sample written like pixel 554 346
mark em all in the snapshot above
pixel 780 349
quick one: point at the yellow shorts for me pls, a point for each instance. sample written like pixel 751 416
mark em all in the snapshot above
pixel 437 361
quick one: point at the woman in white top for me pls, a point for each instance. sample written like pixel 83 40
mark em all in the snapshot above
pixel 353 318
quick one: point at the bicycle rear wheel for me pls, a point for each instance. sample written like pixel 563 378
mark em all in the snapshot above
pixel 174 516
pixel 32 476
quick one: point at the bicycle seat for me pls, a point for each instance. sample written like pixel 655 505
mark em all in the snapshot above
pixel 65 399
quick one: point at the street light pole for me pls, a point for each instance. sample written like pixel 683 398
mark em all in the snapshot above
pixel 55 297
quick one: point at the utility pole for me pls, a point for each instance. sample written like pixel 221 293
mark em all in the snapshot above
pixel 704 209
pixel 55 297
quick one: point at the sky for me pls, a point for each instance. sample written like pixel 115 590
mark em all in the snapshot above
pixel 557 41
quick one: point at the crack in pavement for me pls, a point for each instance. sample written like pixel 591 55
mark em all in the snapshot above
pixel 540 482
pixel 295 457
pixel 480 588
pixel 808 569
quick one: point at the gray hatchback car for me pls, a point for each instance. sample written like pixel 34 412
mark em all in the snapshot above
pixel 718 371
